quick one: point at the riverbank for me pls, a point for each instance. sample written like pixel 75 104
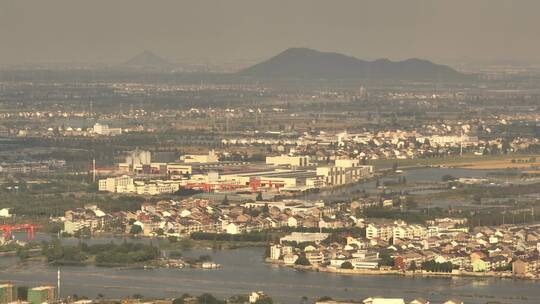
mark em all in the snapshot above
pixel 167 243
pixel 417 273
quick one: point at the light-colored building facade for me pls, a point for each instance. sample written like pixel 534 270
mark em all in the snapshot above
pixel 286 160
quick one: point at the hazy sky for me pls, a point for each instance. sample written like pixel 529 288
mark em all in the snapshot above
pixel 220 31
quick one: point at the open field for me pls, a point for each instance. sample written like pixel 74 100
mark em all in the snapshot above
pixel 502 164
pixel 469 161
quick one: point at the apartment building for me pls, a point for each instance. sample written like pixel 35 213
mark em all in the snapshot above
pixel 379 231
pixel 113 184
pixel 409 231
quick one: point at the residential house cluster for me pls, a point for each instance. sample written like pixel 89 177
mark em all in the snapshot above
pixel 484 249
pixel 509 250
pixel 89 218
pixel 169 217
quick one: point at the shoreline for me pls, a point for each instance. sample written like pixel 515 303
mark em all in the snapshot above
pixel 410 274
pixel 203 245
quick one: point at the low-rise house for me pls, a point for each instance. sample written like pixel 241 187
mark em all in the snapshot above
pixel 383 301
pixel 256 296
pixel 480 265
pixel 315 257
pixel 290 259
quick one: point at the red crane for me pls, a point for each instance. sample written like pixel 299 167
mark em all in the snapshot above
pixel 30 229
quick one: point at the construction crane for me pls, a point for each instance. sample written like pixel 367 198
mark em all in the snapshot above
pixel 30 229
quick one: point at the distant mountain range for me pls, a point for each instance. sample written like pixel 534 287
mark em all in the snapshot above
pixel 294 63
pixel 303 63
pixel 147 60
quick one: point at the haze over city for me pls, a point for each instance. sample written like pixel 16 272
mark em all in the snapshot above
pixel 269 152
pixel 245 31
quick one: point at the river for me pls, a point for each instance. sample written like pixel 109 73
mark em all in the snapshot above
pixel 421 176
pixel 243 271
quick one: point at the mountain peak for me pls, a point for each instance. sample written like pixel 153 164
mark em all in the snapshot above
pixel 147 60
pixel 299 51
pixel 305 63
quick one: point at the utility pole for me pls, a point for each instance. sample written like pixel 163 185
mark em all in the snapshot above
pixel 320 219
pixel 94 170
pixel 461 144
pixel 58 284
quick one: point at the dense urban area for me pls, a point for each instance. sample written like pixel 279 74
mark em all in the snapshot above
pixel 307 177
pixel 350 178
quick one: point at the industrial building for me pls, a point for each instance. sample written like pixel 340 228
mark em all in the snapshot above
pixel 104 129
pixel 41 294
pixel 211 157
pixel 335 176
pixel 126 184
pixel 270 178
pixel 289 161
pixel 139 157
pixel 280 173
